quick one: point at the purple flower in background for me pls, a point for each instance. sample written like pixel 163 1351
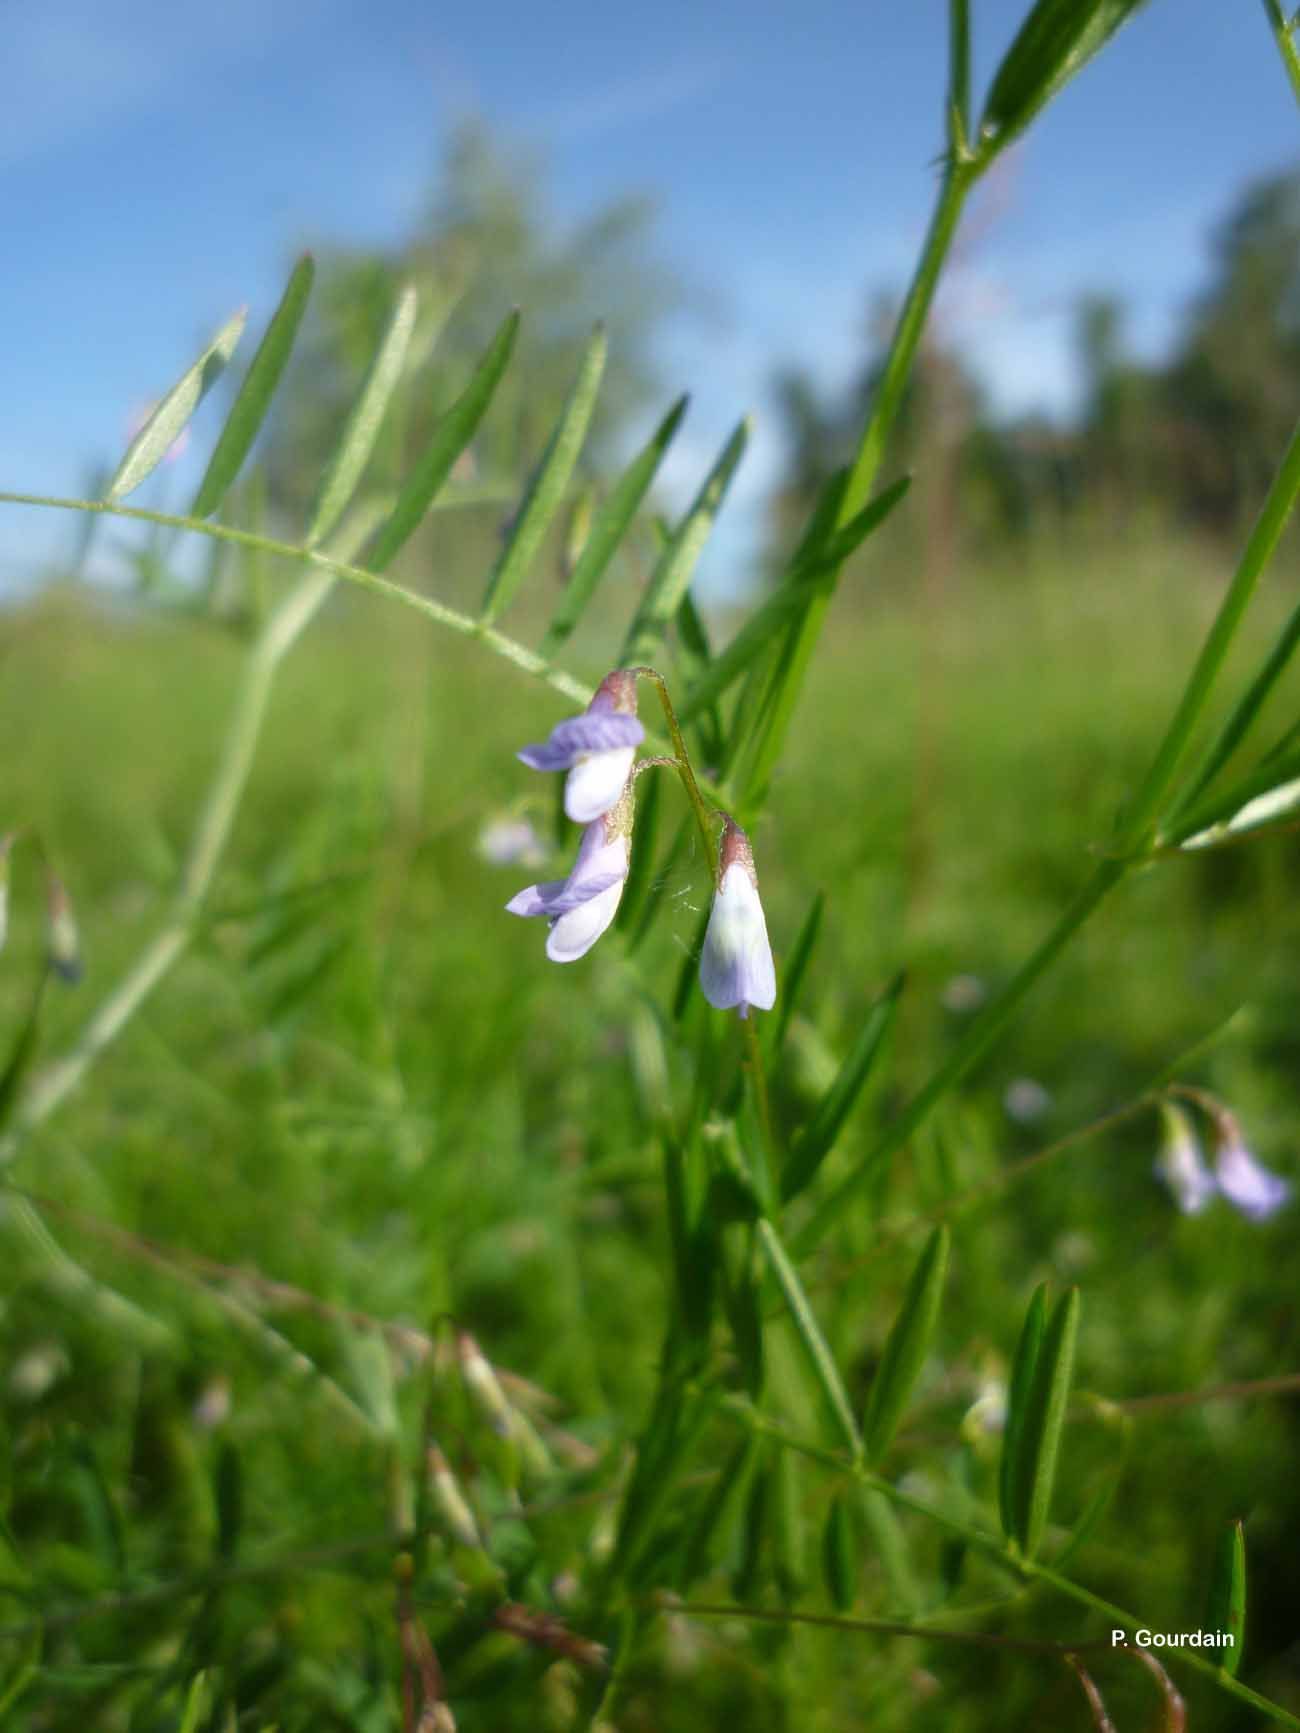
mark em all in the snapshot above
pixel 736 962
pixel 1180 1163
pixel 596 748
pixel 1252 1188
pixel 582 906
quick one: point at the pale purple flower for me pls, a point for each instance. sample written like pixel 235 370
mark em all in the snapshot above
pixel 736 963
pixel 511 842
pixel 1256 1191
pixel 596 748
pixel 581 907
pixel 1180 1163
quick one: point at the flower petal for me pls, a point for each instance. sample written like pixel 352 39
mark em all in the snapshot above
pixel 594 731
pixel 577 930
pixel 596 783
pixel 1254 1189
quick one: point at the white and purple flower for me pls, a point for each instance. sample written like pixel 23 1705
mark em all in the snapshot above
pixel 1180 1163
pixel 596 748
pixel 1252 1189
pixel 736 969
pixel 581 907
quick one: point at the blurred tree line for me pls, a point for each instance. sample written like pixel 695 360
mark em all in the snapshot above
pixel 1189 442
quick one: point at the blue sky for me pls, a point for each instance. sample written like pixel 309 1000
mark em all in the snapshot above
pixel 161 162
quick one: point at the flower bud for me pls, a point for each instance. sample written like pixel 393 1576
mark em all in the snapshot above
pixel 736 967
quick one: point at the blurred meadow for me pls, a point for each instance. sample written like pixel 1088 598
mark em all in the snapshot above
pixel 354 1135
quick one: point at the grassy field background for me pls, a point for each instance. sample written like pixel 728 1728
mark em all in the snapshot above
pixel 366 1081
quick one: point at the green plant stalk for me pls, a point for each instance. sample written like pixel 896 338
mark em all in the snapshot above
pixel 682 761
pixel 1137 819
pixel 981 1035
pixel 992 1547
pixel 455 621
pixel 804 633
pixel 51 1086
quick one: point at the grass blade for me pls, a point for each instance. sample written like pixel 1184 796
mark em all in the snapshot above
pixel 809 1332
pixel 168 421
pixel 453 433
pixel 694 655
pixel 819 1135
pixel 796 968
pixel 840 1554
pixel 255 394
pixel 1227 1605
pixel 1040 1437
pixel 1022 1379
pixel 672 575
pixel 813 580
pixel 907 1345
pixel 609 528
pixel 362 429
pixel 550 479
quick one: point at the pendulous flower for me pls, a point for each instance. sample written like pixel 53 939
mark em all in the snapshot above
pixel 736 967
pixel 596 748
pixel 581 907
pixel 1256 1191
pixel 1180 1163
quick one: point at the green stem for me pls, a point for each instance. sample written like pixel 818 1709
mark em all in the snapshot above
pixel 819 1355
pixel 685 770
pixel 981 1035
pixel 992 1546
pixel 1136 820
pixel 804 632
pixel 51 1086
pixel 465 625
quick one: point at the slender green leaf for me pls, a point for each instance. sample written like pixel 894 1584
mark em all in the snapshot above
pixel 1055 41
pixel 1022 1379
pixel 840 1563
pixel 168 421
pixel 729 1493
pixel 453 433
pixel 645 834
pixel 1266 793
pixel 197 1704
pixel 816 574
pixel 21 1054
pixel 551 477
pixel 1227 1605
pixel 814 1343
pixel 789 1532
pixel 229 1494
pixel 1044 1421
pixel 1259 550
pixel 362 427
pixel 672 575
pixel 907 1345
pixel 749 643
pixel 609 528
pixel 819 1136
pixel 796 967
pixel 885 1534
pixel 255 394
pixel 694 654
pixel 1243 715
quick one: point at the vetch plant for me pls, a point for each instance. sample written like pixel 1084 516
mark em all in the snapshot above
pixel 771 1412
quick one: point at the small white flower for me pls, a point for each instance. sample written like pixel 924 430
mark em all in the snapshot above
pixel 1025 1100
pixel 736 969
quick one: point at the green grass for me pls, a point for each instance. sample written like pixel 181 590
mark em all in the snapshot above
pixel 366 1081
